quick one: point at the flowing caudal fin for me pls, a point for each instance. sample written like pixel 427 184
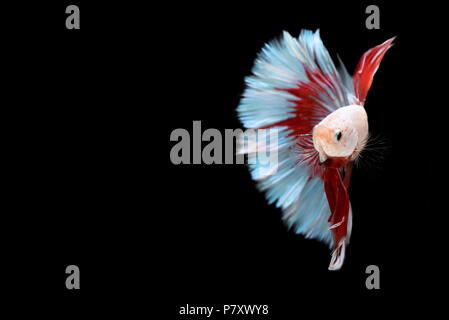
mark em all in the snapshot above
pixel 367 67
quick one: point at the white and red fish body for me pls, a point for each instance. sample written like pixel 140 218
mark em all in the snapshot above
pixel 322 128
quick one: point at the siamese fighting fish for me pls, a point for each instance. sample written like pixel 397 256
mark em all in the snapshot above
pixel 322 127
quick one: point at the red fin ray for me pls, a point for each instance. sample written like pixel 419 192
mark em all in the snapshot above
pixel 367 67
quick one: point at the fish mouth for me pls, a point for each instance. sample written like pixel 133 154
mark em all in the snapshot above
pixel 334 162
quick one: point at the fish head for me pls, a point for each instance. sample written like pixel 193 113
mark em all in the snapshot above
pixel 335 141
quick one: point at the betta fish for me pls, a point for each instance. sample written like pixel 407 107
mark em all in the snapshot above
pixel 322 127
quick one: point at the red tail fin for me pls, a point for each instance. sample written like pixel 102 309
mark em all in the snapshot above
pixel 367 67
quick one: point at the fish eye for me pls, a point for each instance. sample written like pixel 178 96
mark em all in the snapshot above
pixel 338 135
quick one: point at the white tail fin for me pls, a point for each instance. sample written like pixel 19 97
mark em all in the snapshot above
pixel 338 256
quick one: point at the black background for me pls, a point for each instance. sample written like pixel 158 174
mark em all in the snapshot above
pixel 89 121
